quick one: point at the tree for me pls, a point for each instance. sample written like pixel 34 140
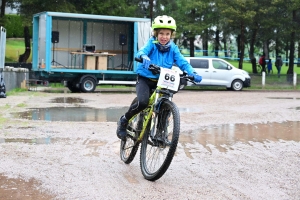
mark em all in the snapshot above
pixel 194 18
pixel 238 14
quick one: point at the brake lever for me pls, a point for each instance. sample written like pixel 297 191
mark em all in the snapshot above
pixel 153 68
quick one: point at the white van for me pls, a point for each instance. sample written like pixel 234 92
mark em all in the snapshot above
pixel 218 72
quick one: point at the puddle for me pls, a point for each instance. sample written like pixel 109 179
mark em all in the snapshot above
pixel 70 100
pixel 49 140
pixel 222 137
pixel 12 188
pixel 82 114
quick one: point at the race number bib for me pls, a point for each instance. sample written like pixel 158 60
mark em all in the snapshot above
pixel 169 79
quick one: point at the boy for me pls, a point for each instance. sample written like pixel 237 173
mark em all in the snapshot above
pixel 161 51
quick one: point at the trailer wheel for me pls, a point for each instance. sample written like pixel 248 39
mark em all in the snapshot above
pixel 72 87
pixel 88 84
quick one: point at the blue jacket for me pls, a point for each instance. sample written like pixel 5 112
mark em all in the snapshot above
pixel 162 59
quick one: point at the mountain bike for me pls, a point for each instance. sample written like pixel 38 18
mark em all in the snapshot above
pixel 157 127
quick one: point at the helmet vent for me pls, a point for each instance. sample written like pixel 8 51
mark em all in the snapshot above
pixel 169 22
pixel 161 21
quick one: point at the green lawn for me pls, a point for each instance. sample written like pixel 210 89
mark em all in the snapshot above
pixel 247 66
pixel 14 48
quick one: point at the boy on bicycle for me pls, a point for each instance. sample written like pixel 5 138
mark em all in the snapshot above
pixel 159 50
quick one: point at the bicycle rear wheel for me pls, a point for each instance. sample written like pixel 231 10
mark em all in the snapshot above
pixel 129 147
pixel 158 149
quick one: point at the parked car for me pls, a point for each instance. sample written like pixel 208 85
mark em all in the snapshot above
pixel 219 72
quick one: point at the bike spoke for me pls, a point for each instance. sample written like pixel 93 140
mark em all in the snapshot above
pixel 158 147
pixel 155 157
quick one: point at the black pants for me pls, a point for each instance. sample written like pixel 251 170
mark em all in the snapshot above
pixel 144 87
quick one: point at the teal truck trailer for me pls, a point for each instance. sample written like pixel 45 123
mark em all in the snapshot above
pixel 82 50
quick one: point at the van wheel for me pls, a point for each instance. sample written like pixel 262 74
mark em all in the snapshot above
pixel 237 85
pixel 88 84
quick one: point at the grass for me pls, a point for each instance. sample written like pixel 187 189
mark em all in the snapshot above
pixel 14 48
pixel 15 91
pixel 247 66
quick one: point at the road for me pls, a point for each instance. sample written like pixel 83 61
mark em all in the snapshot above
pixel 233 145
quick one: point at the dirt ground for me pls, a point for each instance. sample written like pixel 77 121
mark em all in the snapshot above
pixel 233 145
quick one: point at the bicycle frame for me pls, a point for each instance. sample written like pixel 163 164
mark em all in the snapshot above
pixel 149 110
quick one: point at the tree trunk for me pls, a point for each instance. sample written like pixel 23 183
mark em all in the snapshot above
pixel 151 9
pixel 276 47
pixel 251 51
pixel 2 11
pixel 217 41
pixel 192 47
pixel 205 43
pixel 266 50
pixel 225 47
pixel 242 46
pixel 290 70
pixel 292 51
pixel 238 43
pixel 24 57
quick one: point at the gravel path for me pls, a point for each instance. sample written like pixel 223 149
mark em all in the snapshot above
pixel 80 160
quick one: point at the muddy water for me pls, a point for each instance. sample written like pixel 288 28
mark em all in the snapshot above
pixel 222 137
pixel 82 114
pixel 14 189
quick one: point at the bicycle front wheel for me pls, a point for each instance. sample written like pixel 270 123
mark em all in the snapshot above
pixel 160 142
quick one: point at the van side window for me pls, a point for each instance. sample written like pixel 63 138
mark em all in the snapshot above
pixel 218 64
pixel 199 63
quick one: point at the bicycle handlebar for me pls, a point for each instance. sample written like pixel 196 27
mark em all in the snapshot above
pixel 155 69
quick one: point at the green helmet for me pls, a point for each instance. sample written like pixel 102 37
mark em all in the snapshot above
pixel 164 22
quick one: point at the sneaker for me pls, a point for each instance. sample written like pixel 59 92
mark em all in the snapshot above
pixel 121 129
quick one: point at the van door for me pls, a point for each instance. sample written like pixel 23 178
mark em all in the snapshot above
pixel 221 74
pixel 201 66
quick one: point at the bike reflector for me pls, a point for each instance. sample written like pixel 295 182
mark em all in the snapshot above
pixel 169 79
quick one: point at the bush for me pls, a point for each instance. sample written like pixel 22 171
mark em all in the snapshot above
pixel 14 26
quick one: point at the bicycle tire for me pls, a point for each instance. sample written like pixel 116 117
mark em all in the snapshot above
pixel 157 152
pixel 129 147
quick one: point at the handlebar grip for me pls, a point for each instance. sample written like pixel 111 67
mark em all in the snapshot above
pixel 191 77
pixel 139 60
